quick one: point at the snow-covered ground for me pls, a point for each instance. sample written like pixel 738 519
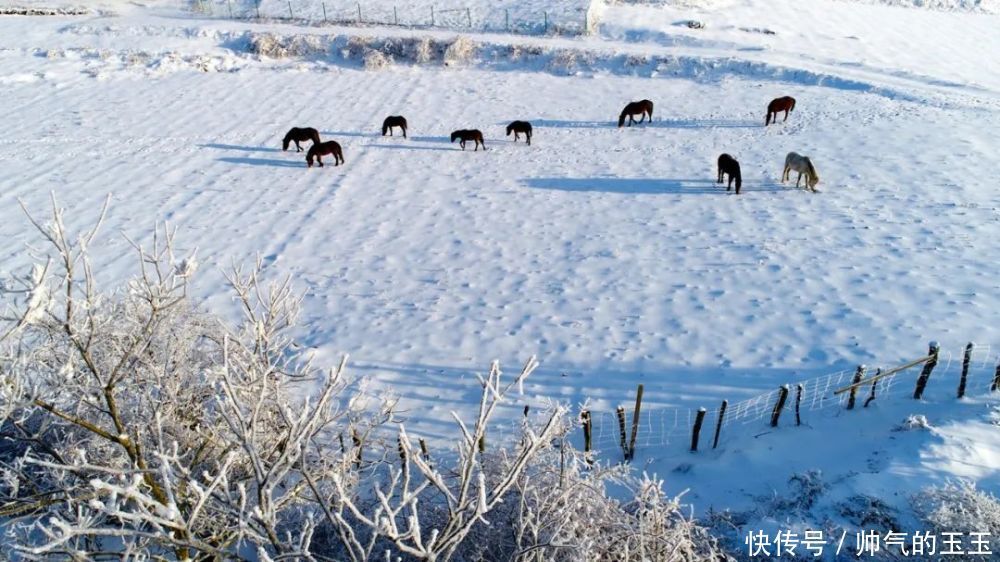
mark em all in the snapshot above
pixel 610 253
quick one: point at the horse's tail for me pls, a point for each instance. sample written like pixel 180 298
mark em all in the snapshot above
pixel 650 109
pixel 739 178
pixel 315 136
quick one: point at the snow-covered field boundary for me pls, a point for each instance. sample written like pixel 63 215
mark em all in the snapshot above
pixel 668 432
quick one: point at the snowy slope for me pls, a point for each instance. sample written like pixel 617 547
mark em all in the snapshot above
pixel 610 253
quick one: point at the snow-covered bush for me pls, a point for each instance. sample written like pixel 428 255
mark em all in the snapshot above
pixel 958 507
pixel 461 51
pixel 135 424
pixel 377 60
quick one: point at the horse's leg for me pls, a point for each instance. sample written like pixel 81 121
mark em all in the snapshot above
pixel 786 116
pixel 798 179
pixel 404 131
pixel 297 147
pixel 319 160
pixel 784 174
pixel 729 185
pixel 528 136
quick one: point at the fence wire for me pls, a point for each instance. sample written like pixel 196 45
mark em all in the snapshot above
pixel 565 17
pixel 806 401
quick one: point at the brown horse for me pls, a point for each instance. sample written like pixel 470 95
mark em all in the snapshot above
pixel 468 135
pixel 322 149
pixel 518 127
pixel 777 105
pixel 729 165
pixel 644 107
pixel 298 135
pixel 394 121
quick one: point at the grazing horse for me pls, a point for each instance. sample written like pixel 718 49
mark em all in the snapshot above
pixel 729 165
pixel 777 105
pixel 520 127
pixel 644 107
pixel 394 121
pixel 322 149
pixel 300 135
pixel 468 135
pixel 802 165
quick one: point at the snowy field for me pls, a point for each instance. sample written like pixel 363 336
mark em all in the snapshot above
pixel 609 253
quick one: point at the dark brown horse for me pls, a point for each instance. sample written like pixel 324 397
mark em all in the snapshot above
pixel 468 135
pixel 729 165
pixel 644 107
pixel 394 121
pixel 298 135
pixel 322 149
pixel 518 127
pixel 777 105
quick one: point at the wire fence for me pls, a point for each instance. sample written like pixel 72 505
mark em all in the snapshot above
pixel 561 17
pixel 970 372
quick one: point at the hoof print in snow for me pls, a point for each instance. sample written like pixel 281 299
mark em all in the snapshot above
pixel 683 468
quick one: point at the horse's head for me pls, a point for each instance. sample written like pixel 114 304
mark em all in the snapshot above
pixel 621 119
pixel 385 127
pixel 309 159
pixel 285 142
pixel 455 136
pixel 509 129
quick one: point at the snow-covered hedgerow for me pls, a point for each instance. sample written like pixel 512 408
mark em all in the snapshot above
pixel 133 423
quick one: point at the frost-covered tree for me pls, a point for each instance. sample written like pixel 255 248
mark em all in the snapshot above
pixel 134 425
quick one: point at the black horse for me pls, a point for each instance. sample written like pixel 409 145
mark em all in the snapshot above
pixel 729 165
pixel 468 135
pixel 642 107
pixel 394 121
pixel 518 127
pixel 298 135
pixel 322 149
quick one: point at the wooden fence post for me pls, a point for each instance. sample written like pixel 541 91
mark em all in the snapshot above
pixel 506 18
pixel 546 16
pixel 587 435
pixel 858 375
pixel 395 16
pixel 468 17
pixel 432 15
pixel 996 379
pixel 360 20
pixel 256 4
pixel 871 395
pixel 230 4
pixel 925 374
pixel 635 422
pixel 779 405
pixel 966 359
pixel 697 429
pixel 718 424
pixel 621 430
pixel 324 13
pixel 798 404
pixel 291 15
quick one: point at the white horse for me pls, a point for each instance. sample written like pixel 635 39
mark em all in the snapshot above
pixel 802 165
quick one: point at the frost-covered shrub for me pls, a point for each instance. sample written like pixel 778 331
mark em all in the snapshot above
pixel 958 507
pixel 377 60
pixel 278 47
pixel 133 423
pixel 461 51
